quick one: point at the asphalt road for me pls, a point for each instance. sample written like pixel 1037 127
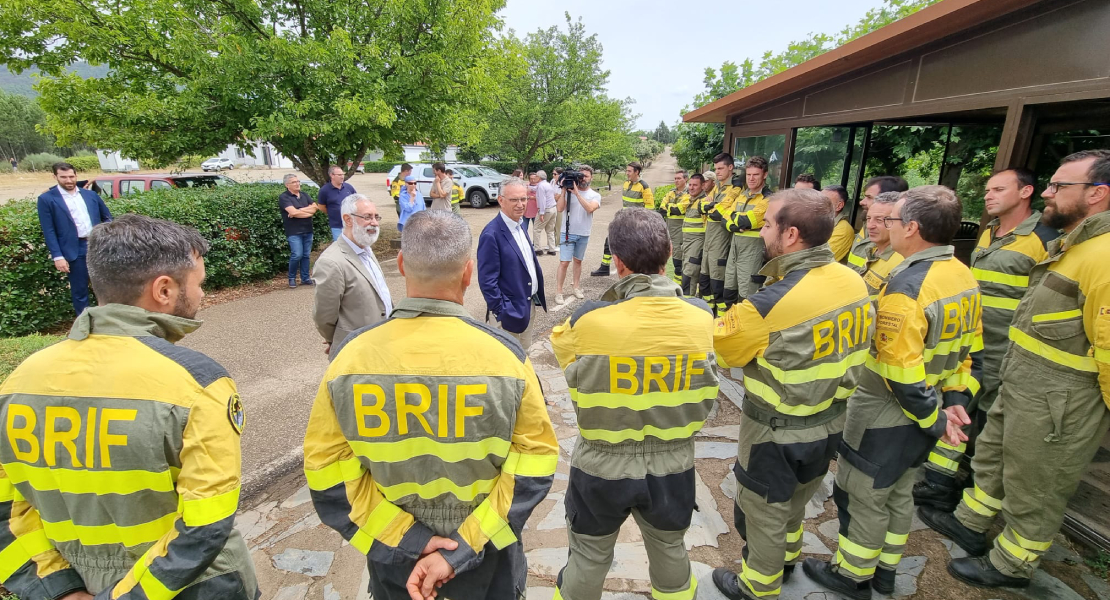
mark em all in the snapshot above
pixel 271 348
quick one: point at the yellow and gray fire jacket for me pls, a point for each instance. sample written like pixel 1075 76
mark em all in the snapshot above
pixel 879 268
pixel 456 193
pixel 802 341
pixel 120 466
pixel 637 195
pixel 747 212
pixel 718 206
pixel 693 221
pixel 1063 322
pixel 409 438
pixel 395 187
pixel 639 363
pixel 860 254
pixel 925 356
pixel 671 204
pixel 1001 265
pixel 843 236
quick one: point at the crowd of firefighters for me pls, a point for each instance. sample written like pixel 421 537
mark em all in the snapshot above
pixel 120 457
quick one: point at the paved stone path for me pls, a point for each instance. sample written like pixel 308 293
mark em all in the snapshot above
pixel 299 558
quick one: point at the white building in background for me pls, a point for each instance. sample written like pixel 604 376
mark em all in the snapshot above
pixel 415 153
pixel 115 162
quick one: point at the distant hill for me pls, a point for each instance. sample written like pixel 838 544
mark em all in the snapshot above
pixel 22 84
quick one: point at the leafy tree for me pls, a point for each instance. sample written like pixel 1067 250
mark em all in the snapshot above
pixel 552 101
pixel 696 143
pixel 663 134
pixel 322 81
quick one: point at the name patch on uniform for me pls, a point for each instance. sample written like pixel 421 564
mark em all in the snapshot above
pixel 872 280
pixel 235 413
pixel 889 321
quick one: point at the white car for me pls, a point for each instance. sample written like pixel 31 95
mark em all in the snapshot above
pixel 481 185
pixel 217 164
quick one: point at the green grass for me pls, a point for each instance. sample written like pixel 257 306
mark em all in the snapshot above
pixel 14 350
pixel 1100 563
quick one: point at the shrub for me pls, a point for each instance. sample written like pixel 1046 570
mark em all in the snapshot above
pixel 189 161
pixel 241 222
pixel 379 166
pixel 5 167
pixel 39 162
pixel 84 164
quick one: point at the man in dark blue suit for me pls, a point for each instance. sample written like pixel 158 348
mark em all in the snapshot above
pixel 508 272
pixel 67 214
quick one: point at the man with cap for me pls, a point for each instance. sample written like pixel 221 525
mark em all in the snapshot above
pixel 410 201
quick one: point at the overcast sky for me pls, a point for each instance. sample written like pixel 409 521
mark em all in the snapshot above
pixel 657 50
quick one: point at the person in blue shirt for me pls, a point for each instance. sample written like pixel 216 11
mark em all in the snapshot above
pixel 411 201
pixel 331 198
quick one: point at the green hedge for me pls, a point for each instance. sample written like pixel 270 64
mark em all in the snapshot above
pixel 242 223
pixel 379 166
pixel 39 162
pixel 84 164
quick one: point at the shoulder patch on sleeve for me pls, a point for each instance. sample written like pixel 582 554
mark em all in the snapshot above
pixel 889 321
pixel 202 368
pixel 235 413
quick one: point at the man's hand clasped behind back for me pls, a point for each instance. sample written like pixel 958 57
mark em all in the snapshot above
pixel 432 570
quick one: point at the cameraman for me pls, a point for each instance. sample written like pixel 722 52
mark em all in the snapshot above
pixel 579 206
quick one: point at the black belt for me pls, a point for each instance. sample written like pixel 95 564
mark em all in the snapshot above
pixel 776 420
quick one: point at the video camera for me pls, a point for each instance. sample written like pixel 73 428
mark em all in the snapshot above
pixel 571 179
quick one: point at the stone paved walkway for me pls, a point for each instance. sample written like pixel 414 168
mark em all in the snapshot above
pixel 298 558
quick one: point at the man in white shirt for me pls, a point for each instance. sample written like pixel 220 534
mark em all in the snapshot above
pixel 67 214
pixel 547 215
pixel 508 272
pixel 579 207
pixel 351 292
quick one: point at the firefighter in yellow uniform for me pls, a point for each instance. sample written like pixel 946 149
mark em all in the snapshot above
pixel 916 389
pixel 694 280
pixel 799 344
pixel 398 183
pixel 640 367
pixel 745 256
pixel 843 233
pixel 717 208
pixel 1050 416
pixel 634 194
pixel 119 453
pixel 883 259
pixel 456 193
pixel 862 246
pixel 423 459
pixel 1013 243
pixel 672 211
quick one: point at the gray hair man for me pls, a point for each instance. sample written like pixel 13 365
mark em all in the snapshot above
pixel 331 198
pixel 175 419
pixel 436 535
pixel 508 271
pixel 351 291
pixel 297 210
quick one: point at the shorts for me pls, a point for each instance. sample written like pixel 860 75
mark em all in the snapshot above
pixel 573 245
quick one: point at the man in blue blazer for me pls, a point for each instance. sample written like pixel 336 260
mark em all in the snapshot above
pixel 508 272
pixel 66 214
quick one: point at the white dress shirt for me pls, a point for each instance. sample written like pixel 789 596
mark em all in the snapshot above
pixel 524 246
pixel 375 271
pixel 78 210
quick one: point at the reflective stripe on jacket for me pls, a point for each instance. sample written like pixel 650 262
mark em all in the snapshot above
pixel 862 249
pixel 671 204
pixel 1063 321
pixel 409 438
pixel 693 219
pixel 747 213
pixel 925 356
pixel 637 195
pixel 121 464
pixel 639 362
pixel 456 194
pixel 802 341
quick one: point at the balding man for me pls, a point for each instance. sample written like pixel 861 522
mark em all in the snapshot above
pixel 350 287
pixel 508 271
pixel 423 459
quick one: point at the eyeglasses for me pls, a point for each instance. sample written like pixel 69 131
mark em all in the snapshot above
pixel 367 217
pixel 1054 186
pixel 517 200
pixel 888 220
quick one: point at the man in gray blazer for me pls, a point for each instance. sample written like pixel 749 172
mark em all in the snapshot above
pixel 351 292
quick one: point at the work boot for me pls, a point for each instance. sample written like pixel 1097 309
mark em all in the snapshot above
pixel 729 585
pixel 787 571
pixel 883 581
pixel 979 572
pixel 822 573
pixel 938 491
pixel 946 523
pixel 602 271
